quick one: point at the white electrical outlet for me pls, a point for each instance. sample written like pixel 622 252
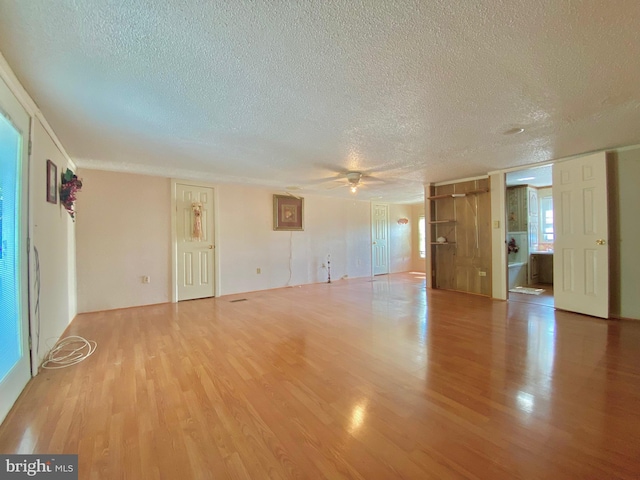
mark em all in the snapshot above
pixel 146 279
pixel 258 270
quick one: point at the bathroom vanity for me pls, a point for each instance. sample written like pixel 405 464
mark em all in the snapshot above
pixel 541 266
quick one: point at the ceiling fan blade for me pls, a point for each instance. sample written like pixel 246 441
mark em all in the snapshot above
pixel 369 179
pixel 323 180
pixel 333 187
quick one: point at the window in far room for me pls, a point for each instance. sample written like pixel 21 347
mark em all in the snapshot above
pixel 421 237
pixel 546 219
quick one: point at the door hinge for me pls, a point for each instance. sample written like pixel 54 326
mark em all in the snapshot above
pixel 30 144
pixel 28 244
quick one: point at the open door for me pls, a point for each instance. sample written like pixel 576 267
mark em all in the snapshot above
pixel 581 259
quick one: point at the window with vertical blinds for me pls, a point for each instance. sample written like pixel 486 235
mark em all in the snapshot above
pixel 10 321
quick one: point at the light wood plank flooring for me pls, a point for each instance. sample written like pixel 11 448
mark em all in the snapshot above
pixel 358 379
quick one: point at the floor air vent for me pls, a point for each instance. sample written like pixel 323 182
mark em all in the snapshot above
pixel 238 300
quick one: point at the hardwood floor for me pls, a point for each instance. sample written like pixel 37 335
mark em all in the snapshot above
pixel 357 379
pixel 545 298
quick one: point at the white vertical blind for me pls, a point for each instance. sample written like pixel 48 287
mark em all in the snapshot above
pixel 10 321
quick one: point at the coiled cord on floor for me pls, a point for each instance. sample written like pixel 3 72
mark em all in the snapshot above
pixel 69 351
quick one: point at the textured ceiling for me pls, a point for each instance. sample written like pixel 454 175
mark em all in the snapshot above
pixel 291 93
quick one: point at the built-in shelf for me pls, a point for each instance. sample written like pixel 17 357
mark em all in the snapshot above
pixel 452 212
pixel 476 192
pixel 461 194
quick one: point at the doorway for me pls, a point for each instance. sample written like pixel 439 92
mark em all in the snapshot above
pixel 14 314
pixel 530 235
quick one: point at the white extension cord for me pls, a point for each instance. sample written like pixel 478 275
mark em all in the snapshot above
pixel 69 351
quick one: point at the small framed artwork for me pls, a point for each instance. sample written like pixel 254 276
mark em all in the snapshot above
pixel 288 212
pixel 52 182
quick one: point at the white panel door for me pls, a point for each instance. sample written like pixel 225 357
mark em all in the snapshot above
pixel 195 255
pixel 581 250
pixel 380 238
pixel 15 369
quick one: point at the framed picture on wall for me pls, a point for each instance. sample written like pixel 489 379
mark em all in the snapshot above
pixel 288 212
pixel 52 182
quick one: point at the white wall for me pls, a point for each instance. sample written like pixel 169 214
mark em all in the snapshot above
pixel 400 238
pixel 339 227
pixel 123 234
pixel 625 233
pixel 246 241
pixel 418 264
pixel 53 237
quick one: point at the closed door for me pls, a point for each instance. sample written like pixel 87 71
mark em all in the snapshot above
pixel 581 251
pixel 380 238
pixel 195 247
pixel 14 324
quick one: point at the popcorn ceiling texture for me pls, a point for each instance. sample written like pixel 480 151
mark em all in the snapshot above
pixel 292 93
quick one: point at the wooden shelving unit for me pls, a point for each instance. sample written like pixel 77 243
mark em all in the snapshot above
pixel 459 195
pixel 468 247
pixel 476 192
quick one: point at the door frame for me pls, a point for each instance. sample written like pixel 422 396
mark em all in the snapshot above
pixel 499 267
pixel 498 220
pixel 174 237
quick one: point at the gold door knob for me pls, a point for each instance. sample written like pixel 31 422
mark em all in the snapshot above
pixel 600 241
pixel 210 247
pixel 374 243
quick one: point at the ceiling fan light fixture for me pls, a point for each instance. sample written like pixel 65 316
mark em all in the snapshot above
pixel 354 181
pixel 354 177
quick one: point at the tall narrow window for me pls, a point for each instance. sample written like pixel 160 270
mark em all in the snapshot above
pixel 422 239
pixel 10 274
pixel 546 219
pixel 14 310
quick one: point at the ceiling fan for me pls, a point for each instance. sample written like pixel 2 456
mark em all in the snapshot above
pixel 355 180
